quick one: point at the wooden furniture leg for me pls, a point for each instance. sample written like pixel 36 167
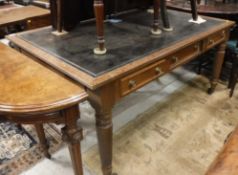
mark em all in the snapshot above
pixel 103 102
pixel 53 6
pixel 58 18
pixel 217 66
pixel 104 133
pixel 164 16
pixel 99 14
pixel 72 134
pixel 155 30
pixel 233 76
pixel 42 138
pixel 194 9
pixel 59 24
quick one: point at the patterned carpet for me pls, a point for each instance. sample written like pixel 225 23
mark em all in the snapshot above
pixel 179 137
pixel 19 148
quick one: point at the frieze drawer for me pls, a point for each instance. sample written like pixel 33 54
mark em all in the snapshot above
pixel 138 79
pixel 183 55
pixel 38 22
pixel 215 39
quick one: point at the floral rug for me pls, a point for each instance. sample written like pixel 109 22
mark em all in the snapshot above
pixel 181 136
pixel 20 148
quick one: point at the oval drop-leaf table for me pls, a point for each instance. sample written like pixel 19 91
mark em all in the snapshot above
pixel 32 94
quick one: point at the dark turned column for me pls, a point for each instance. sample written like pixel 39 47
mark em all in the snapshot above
pixel 194 9
pixel 99 15
pixel 72 134
pixel 217 66
pixel 164 16
pixel 233 76
pixel 42 138
pixel 156 29
pixel 59 24
pixel 53 6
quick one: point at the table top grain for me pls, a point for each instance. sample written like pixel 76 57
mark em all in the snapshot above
pixel 26 85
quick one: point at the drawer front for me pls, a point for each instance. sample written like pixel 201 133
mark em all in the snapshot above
pixel 215 39
pixel 38 22
pixel 183 55
pixel 138 79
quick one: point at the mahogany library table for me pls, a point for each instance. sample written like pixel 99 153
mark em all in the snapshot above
pixel 134 58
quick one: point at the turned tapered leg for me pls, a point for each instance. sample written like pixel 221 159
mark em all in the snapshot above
pixel 53 6
pixel 217 66
pixel 155 30
pixel 104 133
pixel 99 14
pixel 234 76
pixel 194 9
pixel 103 101
pixel 164 16
pixel 59 20
pixel 42 138
pixel 72 134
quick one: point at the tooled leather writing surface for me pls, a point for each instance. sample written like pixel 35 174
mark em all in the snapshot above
pixel 126 41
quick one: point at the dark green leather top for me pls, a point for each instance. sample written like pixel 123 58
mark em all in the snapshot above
pixel 126 41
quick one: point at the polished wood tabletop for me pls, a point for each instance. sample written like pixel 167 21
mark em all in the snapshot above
pixel 16 15
pixel 29 86
pixel 226 162
pixel 31 93
pixel 8 6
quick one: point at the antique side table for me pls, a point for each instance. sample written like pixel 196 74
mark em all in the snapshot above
pixel 135 58
pixel 30 93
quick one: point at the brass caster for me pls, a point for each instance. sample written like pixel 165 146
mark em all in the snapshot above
pixel 47 155
pixel 210 91
pixel 97 51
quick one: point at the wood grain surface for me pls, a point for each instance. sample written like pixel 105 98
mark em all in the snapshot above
pixel 28 86
pixel 226 162
pixel 21 14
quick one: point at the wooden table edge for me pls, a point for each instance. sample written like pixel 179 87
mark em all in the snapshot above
pixel 96 82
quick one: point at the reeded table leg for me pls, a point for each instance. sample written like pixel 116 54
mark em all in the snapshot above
pixel 42 138
pixel 104 133
pixel 103 101
pixel 217 66
pixel 99 14
pixel 72 134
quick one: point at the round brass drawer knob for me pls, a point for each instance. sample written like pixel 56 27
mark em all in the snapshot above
pixel 196 47
pixel 174 59
pixel 29 21
pixel 211 41
pixel 132 83
pixel 158 70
